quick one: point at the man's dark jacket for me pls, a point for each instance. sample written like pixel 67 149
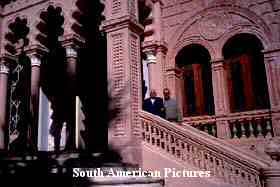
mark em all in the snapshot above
pixel 156 108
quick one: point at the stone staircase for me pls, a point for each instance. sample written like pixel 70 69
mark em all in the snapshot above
pixel 168 145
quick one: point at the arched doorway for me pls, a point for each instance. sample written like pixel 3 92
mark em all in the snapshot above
pixel 194 61
pixel 246 77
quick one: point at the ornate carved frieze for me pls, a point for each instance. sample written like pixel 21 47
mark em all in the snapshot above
pixel 213 26
pixel 15 5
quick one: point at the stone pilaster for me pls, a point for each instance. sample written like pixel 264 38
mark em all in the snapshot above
pixel 4 74
pixel 221 99
pixel 272 66
pixel 35 53
pixel 124 68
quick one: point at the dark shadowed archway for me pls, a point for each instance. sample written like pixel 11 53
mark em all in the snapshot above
pixel 194 61
pixel 246 77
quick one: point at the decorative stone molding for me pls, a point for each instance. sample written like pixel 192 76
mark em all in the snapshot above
pixel 35 61
pixel 72 42
pixel 121 23
pixel 35 53
pixel 245 21
pixel 214 26
pixel 151 58
pixel 6 61
pixel 155 46
pixel 71 52
pixel 4 69
pixel 15 6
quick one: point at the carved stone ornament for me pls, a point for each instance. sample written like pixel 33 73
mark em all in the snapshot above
pixel 213 26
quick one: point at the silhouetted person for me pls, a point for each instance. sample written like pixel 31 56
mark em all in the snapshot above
pixel 172 112
pixel 154 104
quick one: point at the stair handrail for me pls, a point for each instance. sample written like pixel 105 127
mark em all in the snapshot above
pixel 234 156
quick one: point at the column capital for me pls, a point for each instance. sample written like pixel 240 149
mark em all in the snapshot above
pixel 72 41
pixel 35 53
pixel 71 52
pixel 217 61
pixel 151 58
pixel 5 61
pixel 217 64
pixel 36 50
pixel 4 69
pixel 157 46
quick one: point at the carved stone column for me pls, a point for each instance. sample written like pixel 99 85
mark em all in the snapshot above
pixel 221 98
pixel 155 49
pixel 71 43
pixel 35 54
pixel 124 68
pixel 272 66
pixel 175 82
pixel 4 74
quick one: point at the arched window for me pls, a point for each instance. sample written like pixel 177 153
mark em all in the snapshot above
pixel 247 86
pixel 194 61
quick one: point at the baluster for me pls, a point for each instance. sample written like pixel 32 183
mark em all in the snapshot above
pixel 251 129
pixel 216 165
pixel 259 128
pixel 187 152
pixel 207 162
pixel 235 176
pixel 206 129
pixel 212 166
pixel 193 155
pixel 268 129
pixel 234 130
pixel 203 165
pixel 163 143
pixel 243 129
pixel 214 130
pixel 227 174
pixel 168 144
pixel 183 150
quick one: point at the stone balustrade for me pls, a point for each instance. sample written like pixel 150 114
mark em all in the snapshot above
pixel 249 124
pixel 206 124
pixel 186 144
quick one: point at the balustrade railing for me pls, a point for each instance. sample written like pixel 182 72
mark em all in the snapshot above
pixel 250 124
pixel 206 124
pixel 254 124
pixel 205 152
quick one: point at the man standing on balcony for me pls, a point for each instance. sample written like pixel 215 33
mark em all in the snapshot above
pixel 154 104
pixel 172 112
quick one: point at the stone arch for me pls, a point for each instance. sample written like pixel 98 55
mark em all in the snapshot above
pixel 7 30
pixel 33 27
pixel 255 25
pixel 245 30
pixel 246 76
pixel 188 41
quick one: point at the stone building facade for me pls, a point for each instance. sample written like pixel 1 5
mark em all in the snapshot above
pixel 220 59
